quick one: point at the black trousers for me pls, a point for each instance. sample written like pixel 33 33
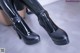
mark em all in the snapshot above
pixel 18 5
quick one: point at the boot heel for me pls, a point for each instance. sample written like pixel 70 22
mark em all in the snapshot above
pixel 24 32
pixel 19 36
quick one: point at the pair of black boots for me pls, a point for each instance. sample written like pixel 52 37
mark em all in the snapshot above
pixel 58 35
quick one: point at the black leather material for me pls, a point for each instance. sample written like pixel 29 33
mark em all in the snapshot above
pixel 18 4
pixel 58 35
pixel 0 8
pixel 45 21
pixel 24 32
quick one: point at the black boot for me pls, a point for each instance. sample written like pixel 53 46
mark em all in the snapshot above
pixel 58 35
pixel 19 25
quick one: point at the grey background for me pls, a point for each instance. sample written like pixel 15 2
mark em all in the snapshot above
pixel 65 14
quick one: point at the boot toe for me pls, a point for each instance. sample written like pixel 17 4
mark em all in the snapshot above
pixel 60 37
pixel 32 39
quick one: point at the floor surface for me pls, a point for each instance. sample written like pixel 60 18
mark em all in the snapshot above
pixel 65 14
